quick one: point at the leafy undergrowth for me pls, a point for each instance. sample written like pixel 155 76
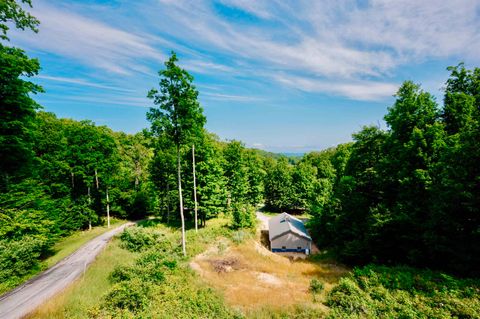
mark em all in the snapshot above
pixel 403 292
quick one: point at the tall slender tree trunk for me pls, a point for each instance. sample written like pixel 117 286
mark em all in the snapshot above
pixel 108 211
pixel 89 215
pixel 168 202
pixel 180 198
pixel 137 173
pixel 96 178
pixel 73 181
pixel 195 189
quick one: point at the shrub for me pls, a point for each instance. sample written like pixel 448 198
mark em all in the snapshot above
pixel 243 216
pixel 403 292
pixel 122 273
pixel 239 236
pixel 132 295
pixel 19 257
pixel 316 287
pixel 139 238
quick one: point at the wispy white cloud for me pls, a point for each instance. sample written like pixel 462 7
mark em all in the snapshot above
pixel 355 90
pixel 89 41
pixel 230 97
pixel 103 99
pixel 83 82
pixel 340 47
pixel 355 46
pixel 205 67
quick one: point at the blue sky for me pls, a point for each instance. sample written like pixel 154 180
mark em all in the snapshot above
pixel 284 76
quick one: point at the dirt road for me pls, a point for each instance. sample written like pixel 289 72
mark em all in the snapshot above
pixel 27 297
pixel 263 221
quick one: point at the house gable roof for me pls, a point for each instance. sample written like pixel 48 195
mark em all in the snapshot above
pixel 285 223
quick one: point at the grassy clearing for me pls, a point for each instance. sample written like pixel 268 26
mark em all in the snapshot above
pixel 247 273
pixel 85 293
pixel 153 281
pixel 60 250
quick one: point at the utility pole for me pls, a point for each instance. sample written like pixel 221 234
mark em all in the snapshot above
pixel 108 211
pixel 195 189
pixel 89 215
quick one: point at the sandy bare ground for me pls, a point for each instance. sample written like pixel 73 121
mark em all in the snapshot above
pixel 32 294
pixel 251 277
pixel 263 221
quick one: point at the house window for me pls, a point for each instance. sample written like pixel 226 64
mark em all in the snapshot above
pixel 299 248
pixel 283 247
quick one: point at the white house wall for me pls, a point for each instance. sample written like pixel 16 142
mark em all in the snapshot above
pixel 290 241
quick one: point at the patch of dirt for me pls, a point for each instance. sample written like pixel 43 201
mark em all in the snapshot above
pixel 268 279
pixel 225 265
pixel 196 267
pixel 262 250
pixel 252 278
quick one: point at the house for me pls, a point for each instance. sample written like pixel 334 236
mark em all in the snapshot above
pixel 288 234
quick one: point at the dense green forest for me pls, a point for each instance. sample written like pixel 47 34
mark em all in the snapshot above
pixel 406 195
pixel 409 194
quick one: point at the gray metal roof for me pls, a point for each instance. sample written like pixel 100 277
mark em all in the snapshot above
pixel 284 223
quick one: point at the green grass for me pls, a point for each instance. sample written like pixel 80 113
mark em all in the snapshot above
pixel 61 249
pixel 403 292
pixel 272 214
pixel 155 281
pixel 85 293
pixel 68 245
pixel 154 274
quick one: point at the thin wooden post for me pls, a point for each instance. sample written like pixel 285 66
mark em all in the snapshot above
pixel 108 211
pixel 89 215
pixel 195 189
pixel 179 175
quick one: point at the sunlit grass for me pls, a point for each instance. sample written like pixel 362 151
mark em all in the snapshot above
pixel 87 292
pixel 262 282
pixel 240 290
pixel 69 244
pixel 63 248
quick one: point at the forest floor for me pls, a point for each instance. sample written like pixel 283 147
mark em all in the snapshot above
pixel 25 298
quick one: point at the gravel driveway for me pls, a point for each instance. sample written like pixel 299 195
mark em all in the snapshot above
pixel 27 297
pixel 263 221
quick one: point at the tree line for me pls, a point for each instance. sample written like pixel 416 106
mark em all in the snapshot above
pixel 409 194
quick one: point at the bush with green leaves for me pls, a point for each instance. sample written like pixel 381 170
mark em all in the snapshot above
pixel 316 287
pixel 132 295
pixel 243 216
pixel 403 292
pixel 19 257
pixel 139 238
pixel 160 276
